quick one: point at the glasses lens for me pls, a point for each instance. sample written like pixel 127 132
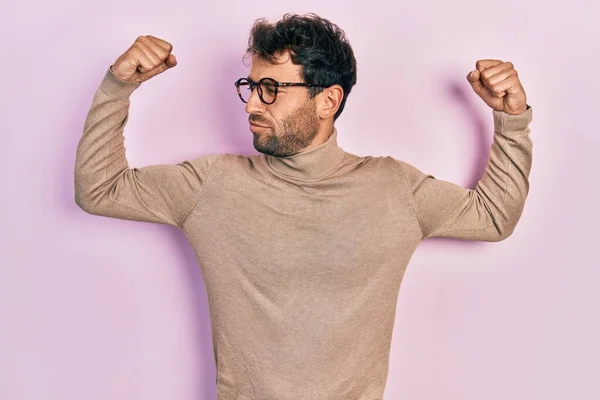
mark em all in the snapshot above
pixel 268 90
pixel 243 88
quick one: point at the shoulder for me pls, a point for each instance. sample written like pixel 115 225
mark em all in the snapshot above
pixel 228 162
pixel 204 163
pixel 401 168
pixel 388 163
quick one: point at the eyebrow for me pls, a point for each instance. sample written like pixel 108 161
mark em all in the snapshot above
pixel 259 79
pixel 284 88
pixel 270 77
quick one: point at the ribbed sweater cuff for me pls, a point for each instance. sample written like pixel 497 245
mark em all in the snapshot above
pixel 117 88
pixel 507 123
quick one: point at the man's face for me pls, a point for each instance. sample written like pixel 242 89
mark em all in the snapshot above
pixel 289 124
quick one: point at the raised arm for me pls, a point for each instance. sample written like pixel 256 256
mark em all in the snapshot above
pixel 104 183
pixel 491 211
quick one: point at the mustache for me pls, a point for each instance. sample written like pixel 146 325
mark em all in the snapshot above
pixel 257 120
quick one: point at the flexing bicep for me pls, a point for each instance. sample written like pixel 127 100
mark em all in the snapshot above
pixel 106 185
pixel 156 193
pixel 489 212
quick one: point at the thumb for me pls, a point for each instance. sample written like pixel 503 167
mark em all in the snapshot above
pixel 473 78
pixel 477 84
pixel 479 88
pixel 171 61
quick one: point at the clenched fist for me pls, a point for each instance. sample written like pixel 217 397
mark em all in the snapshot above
pixel 148 56
pixel 498 85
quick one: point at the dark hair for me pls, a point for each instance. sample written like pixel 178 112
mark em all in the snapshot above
pixel 315 43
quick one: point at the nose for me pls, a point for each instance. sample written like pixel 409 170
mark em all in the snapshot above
pixel 254 105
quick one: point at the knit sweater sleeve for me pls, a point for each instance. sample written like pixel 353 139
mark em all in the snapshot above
pixel 489 212
pixel 105 184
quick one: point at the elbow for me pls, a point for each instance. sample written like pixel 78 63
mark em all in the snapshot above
pixel 81 198
pixel 503 236
pixel 92 198
pixel 83 201
pixel 506 224
pixel 86 196
pixel 89 205
pixel 504 232
pixel 509 224
pixel 86 200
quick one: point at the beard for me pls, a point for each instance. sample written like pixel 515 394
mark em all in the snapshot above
pixel 296 132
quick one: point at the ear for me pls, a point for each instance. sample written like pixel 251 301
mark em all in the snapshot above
pixel 329 101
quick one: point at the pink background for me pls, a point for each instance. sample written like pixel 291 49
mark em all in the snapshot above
pixel 96 308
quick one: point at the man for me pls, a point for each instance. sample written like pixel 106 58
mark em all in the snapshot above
pixel 303 246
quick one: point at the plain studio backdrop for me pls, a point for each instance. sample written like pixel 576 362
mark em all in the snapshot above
pixel 97 308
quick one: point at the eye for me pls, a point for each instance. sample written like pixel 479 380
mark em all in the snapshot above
pixel 269 87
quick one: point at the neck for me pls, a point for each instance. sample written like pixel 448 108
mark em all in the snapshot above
pixel 322 136
pixel 314 161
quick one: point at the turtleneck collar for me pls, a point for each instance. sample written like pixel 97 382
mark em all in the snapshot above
pixel 312 163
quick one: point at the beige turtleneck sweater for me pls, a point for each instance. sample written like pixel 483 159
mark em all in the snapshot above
pixel 303 256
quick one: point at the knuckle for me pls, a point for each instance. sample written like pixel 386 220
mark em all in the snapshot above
pixel 136 53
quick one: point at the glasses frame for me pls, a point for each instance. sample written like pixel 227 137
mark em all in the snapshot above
pixel 276 85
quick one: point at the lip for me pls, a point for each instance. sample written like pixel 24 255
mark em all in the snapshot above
pixel 258 128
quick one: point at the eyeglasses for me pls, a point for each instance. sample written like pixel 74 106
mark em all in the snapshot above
pixel 267 88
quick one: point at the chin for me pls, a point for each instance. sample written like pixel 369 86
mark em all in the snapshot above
pixel 257 146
